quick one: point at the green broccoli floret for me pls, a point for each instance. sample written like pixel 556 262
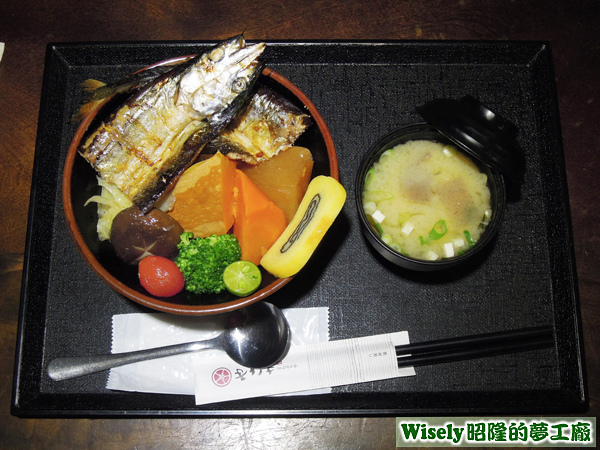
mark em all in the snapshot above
pixel 203 260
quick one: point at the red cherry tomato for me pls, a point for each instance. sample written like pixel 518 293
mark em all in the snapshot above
pixel 160 276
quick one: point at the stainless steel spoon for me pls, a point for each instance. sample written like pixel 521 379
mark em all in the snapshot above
pixel 257 336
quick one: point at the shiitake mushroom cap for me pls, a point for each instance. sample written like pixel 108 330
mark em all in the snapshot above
pixel 135 235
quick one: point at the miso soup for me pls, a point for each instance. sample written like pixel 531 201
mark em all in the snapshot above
pixel 427 200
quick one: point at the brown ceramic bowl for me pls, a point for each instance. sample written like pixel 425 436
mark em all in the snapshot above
pixel 79 184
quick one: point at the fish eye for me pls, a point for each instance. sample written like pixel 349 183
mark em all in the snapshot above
pixel 217 54
pixel 239 85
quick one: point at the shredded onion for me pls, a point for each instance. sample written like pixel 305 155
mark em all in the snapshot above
pixel 111 202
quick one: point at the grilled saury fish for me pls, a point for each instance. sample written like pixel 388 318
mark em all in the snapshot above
pixel 268 125
pixel 153 137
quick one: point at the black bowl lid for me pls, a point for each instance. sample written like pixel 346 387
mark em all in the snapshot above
pixel 479 131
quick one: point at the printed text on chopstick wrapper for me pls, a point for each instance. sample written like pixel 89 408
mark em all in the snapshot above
pixel 327 364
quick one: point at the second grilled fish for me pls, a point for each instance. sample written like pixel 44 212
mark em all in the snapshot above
pixel 268 125
pixel 150 140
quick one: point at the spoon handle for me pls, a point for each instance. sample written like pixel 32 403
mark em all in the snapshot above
pixel 65 368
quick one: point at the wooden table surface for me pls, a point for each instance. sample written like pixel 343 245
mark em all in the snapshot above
pixel 26 26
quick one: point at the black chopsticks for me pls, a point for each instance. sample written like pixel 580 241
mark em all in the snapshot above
pixel 475 346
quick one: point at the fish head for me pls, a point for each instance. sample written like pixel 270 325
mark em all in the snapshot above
pixel 219 82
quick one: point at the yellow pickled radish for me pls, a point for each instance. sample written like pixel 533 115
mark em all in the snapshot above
pixel 320 205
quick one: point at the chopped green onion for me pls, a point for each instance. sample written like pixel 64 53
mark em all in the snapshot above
pixel 438 231
pixel 370 207
pixel 376 196
pixel 375 225
pixel 378 228
pixel 469 238
pixel 385 154
pixel 486 218
pixel 396 247
pixel 369 176
pixel 386 238
pixel 403 217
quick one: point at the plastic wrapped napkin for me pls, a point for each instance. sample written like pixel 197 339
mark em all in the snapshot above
pixel 175 374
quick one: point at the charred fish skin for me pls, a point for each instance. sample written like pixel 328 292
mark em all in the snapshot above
pixel 151 139
pixel 269 125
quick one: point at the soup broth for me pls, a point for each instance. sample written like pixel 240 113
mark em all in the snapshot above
pixel 427 200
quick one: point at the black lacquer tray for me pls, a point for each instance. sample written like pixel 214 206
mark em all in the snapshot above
pixel 363 90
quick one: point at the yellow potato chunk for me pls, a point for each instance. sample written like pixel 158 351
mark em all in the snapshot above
pixel 204 197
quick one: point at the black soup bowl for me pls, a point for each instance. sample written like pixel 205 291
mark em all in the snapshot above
pixel 484 137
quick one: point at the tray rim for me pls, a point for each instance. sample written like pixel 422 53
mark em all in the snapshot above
pixel 28 401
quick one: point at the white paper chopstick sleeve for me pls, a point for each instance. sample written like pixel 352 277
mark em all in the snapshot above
pixel 307 367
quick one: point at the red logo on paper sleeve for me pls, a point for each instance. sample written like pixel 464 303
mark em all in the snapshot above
pixel 221 377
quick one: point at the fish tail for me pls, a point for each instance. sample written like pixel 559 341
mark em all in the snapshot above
pixel 90 85
pixel 98 90
pixel 85 109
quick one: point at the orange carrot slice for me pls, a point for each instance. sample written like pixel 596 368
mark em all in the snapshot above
pixel 283 178
pixel 258 221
